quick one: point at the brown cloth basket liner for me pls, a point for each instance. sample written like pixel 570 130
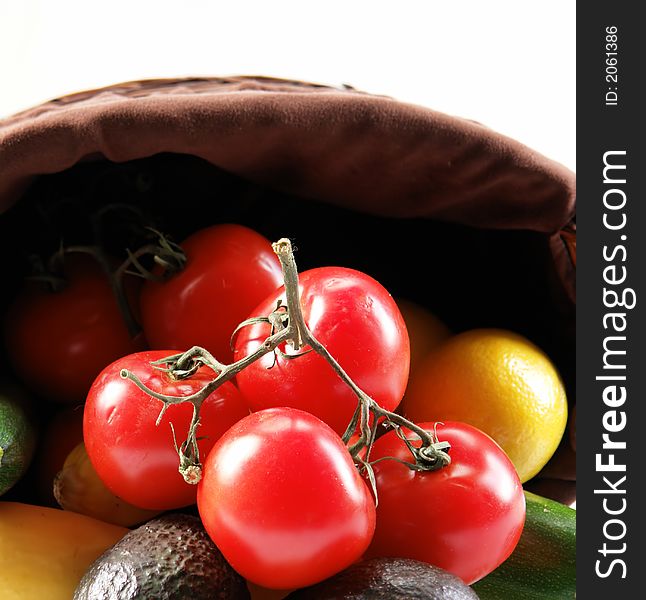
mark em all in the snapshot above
pixel 356 150
pixel 366 152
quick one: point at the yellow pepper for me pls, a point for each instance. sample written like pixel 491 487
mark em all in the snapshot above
pixel 44 552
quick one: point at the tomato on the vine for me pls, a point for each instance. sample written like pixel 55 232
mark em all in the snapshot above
pixel 358 322
pixel 466 517
pixel 58 341
pixel 229 269
pixel 283 501
pixel 136 458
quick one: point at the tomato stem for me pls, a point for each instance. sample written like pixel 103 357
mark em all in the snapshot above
pixel 165 253
pixel 115 279
pixel 289 326
pixel 428 457
pixel 184 365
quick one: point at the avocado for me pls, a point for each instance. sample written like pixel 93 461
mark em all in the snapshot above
pixel 388 579
pixel 17 440
pixel 168 558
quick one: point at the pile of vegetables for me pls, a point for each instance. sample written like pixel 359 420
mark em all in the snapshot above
pixel 212 377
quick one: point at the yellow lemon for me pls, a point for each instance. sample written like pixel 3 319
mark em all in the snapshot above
pixel 499 382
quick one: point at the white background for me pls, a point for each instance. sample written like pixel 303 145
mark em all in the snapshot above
pixel 507 64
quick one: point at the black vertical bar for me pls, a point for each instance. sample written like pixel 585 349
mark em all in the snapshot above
pixel 611 329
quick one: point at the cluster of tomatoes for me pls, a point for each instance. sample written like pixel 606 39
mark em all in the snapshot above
pixel 279 493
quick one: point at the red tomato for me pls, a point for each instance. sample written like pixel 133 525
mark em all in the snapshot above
pixel 465 518
pixel 358 322
pixel 229 270
pixel 59 341
pixel 283 501
pixel 135 458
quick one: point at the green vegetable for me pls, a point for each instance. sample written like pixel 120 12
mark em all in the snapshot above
pixel 17 441
pixel 543 565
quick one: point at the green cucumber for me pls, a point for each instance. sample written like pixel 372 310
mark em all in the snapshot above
pixel 543 565
pixel 17 441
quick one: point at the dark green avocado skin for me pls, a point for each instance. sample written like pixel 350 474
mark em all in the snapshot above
pixel 388 579
pixel 168 558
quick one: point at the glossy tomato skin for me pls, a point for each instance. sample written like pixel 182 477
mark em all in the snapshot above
pixel 60 341
pixel 282 500
pixel 357 320
pixel 229 269
pixel 135 458
pixel 465 518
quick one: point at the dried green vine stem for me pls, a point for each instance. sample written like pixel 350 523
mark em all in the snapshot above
pixel 165 253
pixel 288 326
pixel 51 274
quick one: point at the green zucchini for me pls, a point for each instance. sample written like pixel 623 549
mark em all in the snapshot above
pixel 543 565
pixel 17 441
